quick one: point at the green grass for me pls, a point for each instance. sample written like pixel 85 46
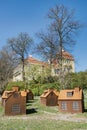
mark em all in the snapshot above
pixel 37 124
pixel 40 117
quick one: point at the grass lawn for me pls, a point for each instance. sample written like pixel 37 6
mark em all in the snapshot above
pixel 40 117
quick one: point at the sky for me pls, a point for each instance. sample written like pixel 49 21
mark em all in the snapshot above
pixel 30 16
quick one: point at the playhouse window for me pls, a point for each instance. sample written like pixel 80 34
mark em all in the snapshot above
pixel 75 105
pixel 64 106
pixel 69 94
pixel 16 108
pixel 15 95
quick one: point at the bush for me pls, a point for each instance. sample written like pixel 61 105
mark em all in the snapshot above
pixel 20 84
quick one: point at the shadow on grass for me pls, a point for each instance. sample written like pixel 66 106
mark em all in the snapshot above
pixel 31 111
pixel 85 110
pixel 32 101
pixel 29 102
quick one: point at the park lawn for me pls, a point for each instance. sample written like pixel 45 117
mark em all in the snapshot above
pixel 38 124
pixel 40 117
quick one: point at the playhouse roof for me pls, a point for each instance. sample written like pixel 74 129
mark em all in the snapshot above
pixel 71 94
pixel 47 92
pixel 6 94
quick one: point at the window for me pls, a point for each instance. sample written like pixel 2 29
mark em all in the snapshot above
pixel 75 105
pixel 17 74
pixel 16 95
pixel 56 71
pixel 51 94
pixel 69 94
pixel 16 108
pixel 64 106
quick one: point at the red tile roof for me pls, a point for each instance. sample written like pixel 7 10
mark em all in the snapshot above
pixel 35 61
pixel 67 55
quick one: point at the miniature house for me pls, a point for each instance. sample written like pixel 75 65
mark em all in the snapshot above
pixel 71 100
pixel 50 97
pixel 14 102
pixel 30 95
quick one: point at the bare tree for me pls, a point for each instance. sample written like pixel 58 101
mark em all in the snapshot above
pixel 60 35
pixel 48 46
pixel 64 27
pixel 7 59
pixel 21 45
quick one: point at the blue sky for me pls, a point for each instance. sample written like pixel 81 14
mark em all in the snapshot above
pixel 30 16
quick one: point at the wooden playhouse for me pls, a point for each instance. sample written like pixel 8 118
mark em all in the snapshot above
pixel 14 102
pixel 30 95
pixel 50 97
pixel 71 100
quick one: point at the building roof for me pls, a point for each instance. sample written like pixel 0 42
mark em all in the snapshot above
pixel 75 94
pixel 47 92
pixel 32 60
pixel 67 55
pixel 6 94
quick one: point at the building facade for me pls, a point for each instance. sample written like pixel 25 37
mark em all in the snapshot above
pixel 67 64
pixel 32 68
pixel 50 97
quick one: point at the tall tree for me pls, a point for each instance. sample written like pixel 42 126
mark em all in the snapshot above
pixel 64 25
pixel 48 46
pixel 59 35
pixel 21 45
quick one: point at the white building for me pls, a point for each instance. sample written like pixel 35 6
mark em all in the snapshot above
pixel 67 64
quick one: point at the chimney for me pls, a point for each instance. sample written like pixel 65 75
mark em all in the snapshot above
pixel 77 89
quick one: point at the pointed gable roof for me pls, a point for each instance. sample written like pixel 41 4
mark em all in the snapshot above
pixel 47 92
pixel 66 55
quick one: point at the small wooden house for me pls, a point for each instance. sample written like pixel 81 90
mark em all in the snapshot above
pixel 30 95
pixel 71 100
pixel 15 103
pixel 49 97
